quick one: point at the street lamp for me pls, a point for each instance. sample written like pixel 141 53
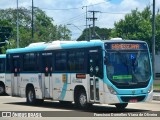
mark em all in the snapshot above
pixel 6 41
pixel 17 27
pixel 153 40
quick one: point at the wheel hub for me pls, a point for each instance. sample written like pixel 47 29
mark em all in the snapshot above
pixel 30 96
pixel 83 100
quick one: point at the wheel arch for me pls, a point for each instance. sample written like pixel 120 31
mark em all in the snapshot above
pixel 2 83
pixel 29 85
pixel 78 89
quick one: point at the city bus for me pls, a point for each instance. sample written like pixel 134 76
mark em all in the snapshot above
pixel 115 72
pixel 2 73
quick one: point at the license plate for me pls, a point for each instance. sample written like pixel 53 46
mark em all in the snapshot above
pixel 133 100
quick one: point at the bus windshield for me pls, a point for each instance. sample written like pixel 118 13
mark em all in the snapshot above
pixel 128 68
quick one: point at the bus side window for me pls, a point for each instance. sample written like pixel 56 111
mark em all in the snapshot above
pixel 61 61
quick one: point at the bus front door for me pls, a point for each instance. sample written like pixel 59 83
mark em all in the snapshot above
pixel 47 70
pixel 16 76
pixel 95 73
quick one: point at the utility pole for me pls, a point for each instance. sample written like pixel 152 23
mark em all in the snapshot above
pixel 89 32
pixel 153 40
pixel 32 24
pixel 93 19
pixel 17 26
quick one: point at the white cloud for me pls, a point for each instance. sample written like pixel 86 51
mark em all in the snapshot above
pixel 78 15
pixel 89 2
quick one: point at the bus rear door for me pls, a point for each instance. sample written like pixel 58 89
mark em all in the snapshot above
pixel 47 70
pixel 16 75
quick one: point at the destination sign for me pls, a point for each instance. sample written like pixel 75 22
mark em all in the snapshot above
pixel 125 46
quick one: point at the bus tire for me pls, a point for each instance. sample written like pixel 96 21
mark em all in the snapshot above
pixel 121 106
pixel 31 98
pixel 2 89
pixel 81 100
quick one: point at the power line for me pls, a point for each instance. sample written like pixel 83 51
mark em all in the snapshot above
pixel 72 19
pixel 116 12
pixel 64 9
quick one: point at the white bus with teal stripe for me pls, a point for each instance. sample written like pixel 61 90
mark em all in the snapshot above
pixel 2 73
pixel 114 72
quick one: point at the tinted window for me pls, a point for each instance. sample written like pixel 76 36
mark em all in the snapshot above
pixel 61 61
pixel 76 61
pixel 30 62
pixel 2 65
pixel 8 66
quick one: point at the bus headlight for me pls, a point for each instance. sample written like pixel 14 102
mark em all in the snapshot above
pixel 112 90
pixel 150 88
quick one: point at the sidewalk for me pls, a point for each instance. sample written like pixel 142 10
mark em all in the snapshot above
pixel 156 95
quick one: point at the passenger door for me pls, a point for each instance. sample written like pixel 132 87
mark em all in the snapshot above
pixel 16 75
pixel 95 71
pixel 47 71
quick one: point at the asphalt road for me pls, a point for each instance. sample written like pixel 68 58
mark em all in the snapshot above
pixel 8 103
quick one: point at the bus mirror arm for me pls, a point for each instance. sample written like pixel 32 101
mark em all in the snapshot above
pixel 105 60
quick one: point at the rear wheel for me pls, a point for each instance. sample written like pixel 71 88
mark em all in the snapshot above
pixel 121 106
pixel 31 98
pixel 81 100
pixel 2 89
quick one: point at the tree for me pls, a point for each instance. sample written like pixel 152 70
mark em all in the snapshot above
pixel 138 25
pixel 5 30
pixel 63 33
pixel 44 28
pixel 101 33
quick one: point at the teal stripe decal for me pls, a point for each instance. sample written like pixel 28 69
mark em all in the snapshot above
pixel 63 93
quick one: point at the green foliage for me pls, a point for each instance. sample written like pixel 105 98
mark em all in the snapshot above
pixel 138 25
pixel 63 33
pixel 12 44
pixel 5 30
pixel 101 33
pixel 44 28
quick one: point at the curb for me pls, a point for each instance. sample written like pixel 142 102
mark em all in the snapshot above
pixel 156 91
pixel 157 98
pixel 156 95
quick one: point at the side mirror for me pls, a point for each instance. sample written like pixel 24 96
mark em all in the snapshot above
pixel 105 60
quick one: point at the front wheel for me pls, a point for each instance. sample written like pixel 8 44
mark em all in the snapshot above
pixel 81 100
pixel 121 106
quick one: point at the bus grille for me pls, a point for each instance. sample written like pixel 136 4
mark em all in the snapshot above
pixel 129 98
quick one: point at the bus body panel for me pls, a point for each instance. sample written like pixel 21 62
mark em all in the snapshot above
pixel 61 85
pixel 2 73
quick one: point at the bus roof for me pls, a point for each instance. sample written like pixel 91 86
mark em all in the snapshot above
pixel 2 55
pixel 56 45
pixel 42 46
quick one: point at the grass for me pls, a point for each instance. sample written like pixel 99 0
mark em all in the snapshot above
pixel 156 87
pixel 156 84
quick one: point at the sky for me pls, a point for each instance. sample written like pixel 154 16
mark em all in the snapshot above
pixel 72 13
